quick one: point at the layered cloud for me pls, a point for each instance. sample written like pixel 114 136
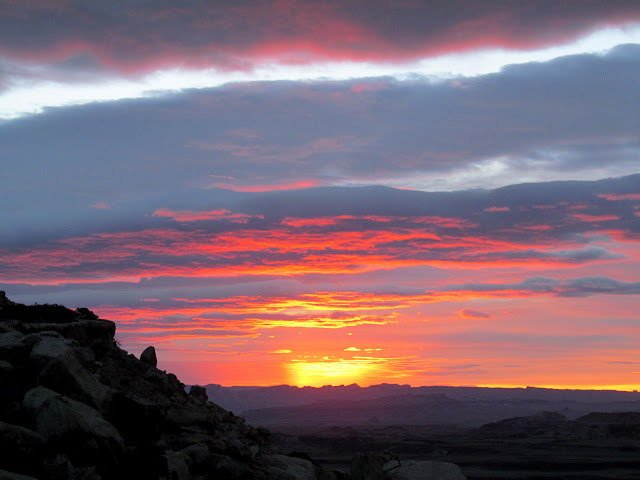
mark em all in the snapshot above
pixel 320 192
pixel 141 36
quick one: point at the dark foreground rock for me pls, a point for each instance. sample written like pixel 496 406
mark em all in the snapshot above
pixel 73 405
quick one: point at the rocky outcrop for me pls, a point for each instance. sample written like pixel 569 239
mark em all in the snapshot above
pixel 148 356
pixel 73 405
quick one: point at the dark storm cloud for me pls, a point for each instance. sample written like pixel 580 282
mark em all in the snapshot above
pixel 141 35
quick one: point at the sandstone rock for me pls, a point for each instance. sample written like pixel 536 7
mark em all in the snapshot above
pixel 426 470
pixel 148 356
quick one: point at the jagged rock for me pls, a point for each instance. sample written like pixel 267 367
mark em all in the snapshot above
pixel 426 470
pixel 5 475
pixel 85 314
pixel 148 356
pixel 283 467
pixel 4 301
pixel 73 427
pixel 66 375
pixel 199 394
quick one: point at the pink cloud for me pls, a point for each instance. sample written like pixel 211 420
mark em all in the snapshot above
pixel 496 209
pixel 472 313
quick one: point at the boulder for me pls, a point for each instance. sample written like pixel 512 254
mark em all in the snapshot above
pixel 22 449
pixel 12 347
pixel 139 420
pixel 373 465
pixel 227 468
pixel 46 349
pixel 73 427
pixel 148 356
pixel 283 467
pixel 66 375
pixel 426 470
pixel 95 333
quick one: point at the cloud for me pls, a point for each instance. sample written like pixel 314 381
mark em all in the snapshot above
pixel 472 313
pixel 235 36
pixel 323 133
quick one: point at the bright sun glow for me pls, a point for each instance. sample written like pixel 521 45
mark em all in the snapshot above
pixel 333 372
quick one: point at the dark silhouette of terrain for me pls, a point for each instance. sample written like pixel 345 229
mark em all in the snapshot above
pixel 491 433
pixel 389 404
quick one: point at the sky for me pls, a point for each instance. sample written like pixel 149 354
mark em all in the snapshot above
pixel 329 192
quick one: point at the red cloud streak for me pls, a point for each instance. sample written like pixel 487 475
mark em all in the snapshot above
pixel 238 35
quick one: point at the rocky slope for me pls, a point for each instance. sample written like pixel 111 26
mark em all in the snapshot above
pixel 73 405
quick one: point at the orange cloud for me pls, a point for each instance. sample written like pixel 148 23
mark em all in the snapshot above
pixel 193 216
pixel 267 188
pixel 472 313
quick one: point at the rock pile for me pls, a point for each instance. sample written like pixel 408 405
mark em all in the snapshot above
pixel 73 405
